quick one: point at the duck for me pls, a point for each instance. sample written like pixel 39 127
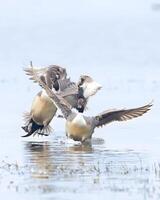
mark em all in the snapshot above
pixel 43 108
pixel 80 127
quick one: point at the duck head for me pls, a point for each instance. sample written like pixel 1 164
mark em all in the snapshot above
pixel 89 86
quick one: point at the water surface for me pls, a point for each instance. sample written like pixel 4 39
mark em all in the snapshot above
pixel 116 42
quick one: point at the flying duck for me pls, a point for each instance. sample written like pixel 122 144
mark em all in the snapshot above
pixel 80 127
pixel 43 108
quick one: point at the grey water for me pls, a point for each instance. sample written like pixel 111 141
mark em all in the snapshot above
pixel 117 42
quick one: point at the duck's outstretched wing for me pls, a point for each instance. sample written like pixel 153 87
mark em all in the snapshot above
pixel 66 87
pixel 120 115
pixel 72 89
pixel 53 76
pixel 60 101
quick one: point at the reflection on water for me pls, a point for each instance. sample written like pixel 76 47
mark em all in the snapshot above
pixel 121 40
pixel 52 168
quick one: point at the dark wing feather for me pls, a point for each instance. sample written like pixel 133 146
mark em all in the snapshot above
pixel 60 102
pixel 72 89
pixel 65 84
pixel 49 75
pixel 121 115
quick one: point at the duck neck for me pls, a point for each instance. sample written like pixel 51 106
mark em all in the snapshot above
pixel 80 92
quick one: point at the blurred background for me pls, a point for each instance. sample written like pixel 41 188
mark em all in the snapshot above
pixel 115 41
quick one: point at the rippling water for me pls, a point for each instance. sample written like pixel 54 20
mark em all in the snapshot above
pixel 63 170
pixel 116 42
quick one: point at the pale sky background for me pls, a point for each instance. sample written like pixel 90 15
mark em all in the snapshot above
pixel 89 32
pixel 116 42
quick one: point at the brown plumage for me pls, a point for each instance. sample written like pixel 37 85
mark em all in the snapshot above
pixel 80 127
pixel 43 108
pixel 121 115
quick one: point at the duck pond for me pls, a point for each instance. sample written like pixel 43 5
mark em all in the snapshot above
pixel 118 44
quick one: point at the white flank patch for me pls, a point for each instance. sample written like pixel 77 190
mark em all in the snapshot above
pixel 79 119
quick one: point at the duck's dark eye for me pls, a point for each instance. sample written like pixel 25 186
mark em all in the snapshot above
pixel 82 80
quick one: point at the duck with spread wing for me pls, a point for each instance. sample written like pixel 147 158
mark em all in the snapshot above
pixel 80 127
pixel 43 108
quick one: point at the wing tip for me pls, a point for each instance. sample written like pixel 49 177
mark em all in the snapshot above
pixel 149 105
